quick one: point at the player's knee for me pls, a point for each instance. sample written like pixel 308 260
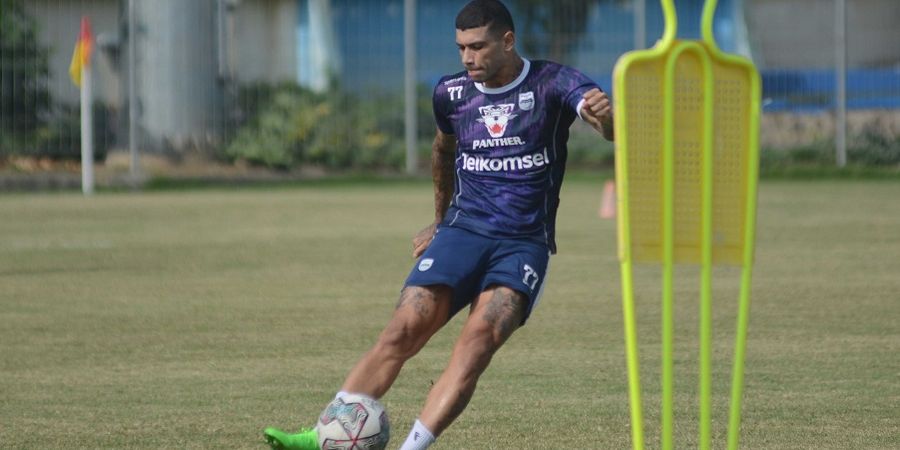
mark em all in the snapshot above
pixel 503 311
pixel 411 327
pixel 476 349
pixel 401 341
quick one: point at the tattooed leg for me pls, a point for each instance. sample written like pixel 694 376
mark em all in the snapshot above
pixel 495 315
pixel 420 312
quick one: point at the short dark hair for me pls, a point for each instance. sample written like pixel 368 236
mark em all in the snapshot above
pixel 479 13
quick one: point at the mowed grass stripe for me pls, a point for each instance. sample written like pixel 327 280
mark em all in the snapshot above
pixel 193 319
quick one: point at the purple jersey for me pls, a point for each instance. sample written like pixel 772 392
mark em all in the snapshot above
pixel 511 148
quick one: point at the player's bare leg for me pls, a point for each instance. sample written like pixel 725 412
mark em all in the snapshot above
pixel 495 315
pixel 420 313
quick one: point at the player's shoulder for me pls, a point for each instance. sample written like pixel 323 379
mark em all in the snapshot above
pixel 456 79
pixel 551 68
pixel 563 79
pixel 450 86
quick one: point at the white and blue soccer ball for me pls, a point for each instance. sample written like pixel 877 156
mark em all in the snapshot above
pixel 353 422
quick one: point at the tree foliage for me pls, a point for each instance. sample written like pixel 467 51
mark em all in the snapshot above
pixel 24 72
pixel 553 28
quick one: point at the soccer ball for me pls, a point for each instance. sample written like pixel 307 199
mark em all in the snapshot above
pixel 353 422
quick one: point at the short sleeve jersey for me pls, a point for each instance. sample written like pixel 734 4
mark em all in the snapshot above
pixel 511 148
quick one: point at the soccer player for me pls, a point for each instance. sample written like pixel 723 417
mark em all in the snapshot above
pixel 497 161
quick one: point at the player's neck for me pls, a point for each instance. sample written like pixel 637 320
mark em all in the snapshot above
pixel 507 74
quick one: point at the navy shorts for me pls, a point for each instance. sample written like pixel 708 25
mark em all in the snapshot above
pixel 468 263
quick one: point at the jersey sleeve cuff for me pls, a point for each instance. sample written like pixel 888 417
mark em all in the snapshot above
pixel 578 108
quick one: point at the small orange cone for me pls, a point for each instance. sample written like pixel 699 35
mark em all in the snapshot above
pixel 608 202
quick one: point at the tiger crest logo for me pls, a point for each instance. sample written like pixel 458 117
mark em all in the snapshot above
pixel 496 117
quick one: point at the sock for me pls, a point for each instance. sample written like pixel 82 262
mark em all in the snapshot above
pixel 340 394
pixel 420 438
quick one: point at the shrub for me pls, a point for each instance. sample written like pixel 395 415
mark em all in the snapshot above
pixel 874 149
pixel 868 149
pixel 588 148
pixel 287 125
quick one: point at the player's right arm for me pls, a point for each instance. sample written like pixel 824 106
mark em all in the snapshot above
pixel 443 157
pixel 597 111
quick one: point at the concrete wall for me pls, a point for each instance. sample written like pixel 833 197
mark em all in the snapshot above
pixel 178 84
pixel 799 34
pixel 264 41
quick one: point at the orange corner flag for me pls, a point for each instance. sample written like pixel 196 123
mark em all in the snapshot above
pixel 82 55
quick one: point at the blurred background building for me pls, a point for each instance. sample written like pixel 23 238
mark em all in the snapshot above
pixel 206 70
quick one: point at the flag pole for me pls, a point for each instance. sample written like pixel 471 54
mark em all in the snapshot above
pixel 87 134
pixel 87 129
pixel 135 165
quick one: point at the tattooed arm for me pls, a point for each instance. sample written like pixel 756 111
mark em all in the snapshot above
pixel 443 155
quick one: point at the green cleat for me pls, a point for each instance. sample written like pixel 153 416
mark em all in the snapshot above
pixel 306 439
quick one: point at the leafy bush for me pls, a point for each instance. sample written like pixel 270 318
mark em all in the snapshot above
pixel 287 125
pixel 868 149
pixel 588 148
pixel 874 149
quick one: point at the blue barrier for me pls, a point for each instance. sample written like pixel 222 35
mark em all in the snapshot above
pixel 814 90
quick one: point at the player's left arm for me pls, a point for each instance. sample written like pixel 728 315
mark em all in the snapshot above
pixel 596 109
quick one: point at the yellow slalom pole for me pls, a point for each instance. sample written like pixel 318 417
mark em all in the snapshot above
pixel 737 382
pixel 706 255
pixel 668 230
pixel 631 344
pixel 663 152
pixel 631 348
pixel 668 187
pixel 668 239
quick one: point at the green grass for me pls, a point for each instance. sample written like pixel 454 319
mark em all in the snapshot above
pixel 193 319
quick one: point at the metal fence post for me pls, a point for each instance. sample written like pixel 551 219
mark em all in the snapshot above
pixel 840 68
pixel 640 24
pixel 134 166
pixel 409 85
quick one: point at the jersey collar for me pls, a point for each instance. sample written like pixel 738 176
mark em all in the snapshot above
pixel 502 89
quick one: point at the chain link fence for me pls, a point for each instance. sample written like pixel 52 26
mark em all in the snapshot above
pixel 291 84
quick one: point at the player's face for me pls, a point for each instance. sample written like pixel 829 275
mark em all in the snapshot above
pixel 483 54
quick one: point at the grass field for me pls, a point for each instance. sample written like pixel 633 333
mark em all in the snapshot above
pixel 193 319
